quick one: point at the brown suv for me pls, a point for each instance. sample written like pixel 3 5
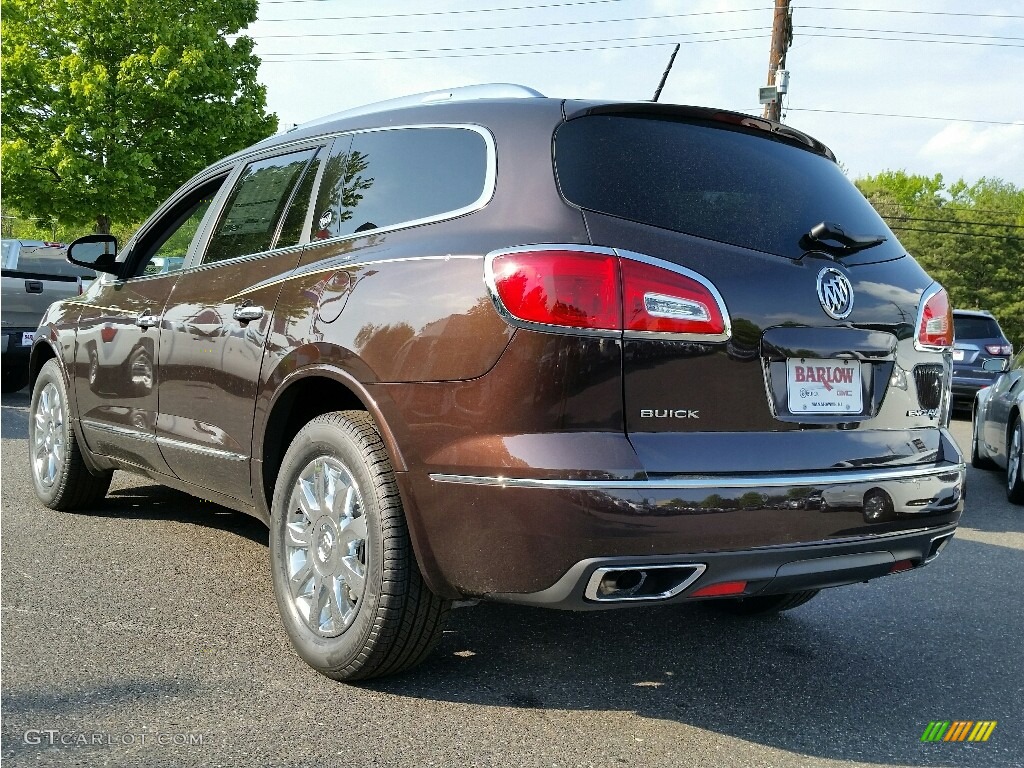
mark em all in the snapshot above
pixel 485 344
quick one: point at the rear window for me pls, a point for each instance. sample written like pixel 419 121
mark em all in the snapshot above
pixel 967 327
pixel 711 181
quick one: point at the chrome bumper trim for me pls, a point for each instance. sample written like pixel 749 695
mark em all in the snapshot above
pixel 841 477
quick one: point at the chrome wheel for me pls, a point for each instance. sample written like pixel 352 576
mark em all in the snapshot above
pixel 1013 460
pixel 325 546
pixel 48 449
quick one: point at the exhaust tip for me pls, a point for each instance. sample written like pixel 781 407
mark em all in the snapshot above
pixel 641 583
pixel 938 544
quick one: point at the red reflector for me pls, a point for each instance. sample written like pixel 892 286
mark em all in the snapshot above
pixel 722 588
pixel 661 301
pixel 568 288
pixel 935 327
pixel 901 565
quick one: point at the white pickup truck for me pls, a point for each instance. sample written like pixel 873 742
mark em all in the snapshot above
pixel 34 274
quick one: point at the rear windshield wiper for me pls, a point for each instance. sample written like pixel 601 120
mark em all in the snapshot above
pixel 834 239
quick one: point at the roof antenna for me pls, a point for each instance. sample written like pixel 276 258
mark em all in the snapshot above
pixel 664 77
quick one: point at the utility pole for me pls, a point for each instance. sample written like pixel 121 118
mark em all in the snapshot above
pixel 782 37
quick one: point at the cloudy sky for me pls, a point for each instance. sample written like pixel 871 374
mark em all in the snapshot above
pixel 961 65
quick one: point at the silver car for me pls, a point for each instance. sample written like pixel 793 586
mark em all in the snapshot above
pixel 997 432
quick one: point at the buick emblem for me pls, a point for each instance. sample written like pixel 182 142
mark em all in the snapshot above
pixel 835 293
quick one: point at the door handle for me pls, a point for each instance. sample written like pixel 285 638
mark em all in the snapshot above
pixel 147 321
pixel 247 313
pixel 33 286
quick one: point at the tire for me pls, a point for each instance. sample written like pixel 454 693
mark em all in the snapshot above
pixel 764 604
pixel 977 460
pixel 377 617
pixel 59 473
pixel 13 377
pixel 1015 464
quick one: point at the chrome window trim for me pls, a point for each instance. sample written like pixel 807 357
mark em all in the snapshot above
pixel 206 231
pixel 606 333
pixel 845 477
pixel 490 180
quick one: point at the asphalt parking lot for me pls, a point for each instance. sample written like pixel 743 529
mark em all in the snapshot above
pixel 145 633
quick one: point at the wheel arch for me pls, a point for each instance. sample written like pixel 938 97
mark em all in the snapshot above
pixel 1015 413
pixel 41 353
pixel 300 397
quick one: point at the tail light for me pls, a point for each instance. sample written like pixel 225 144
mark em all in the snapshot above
pixel 604 291
pixel 572 289
pixel 663 301
pixel 999 349
pixel 934 321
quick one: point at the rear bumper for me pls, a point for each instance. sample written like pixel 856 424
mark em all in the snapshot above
pixel 11 346
pixel 767 571
pixel 501 537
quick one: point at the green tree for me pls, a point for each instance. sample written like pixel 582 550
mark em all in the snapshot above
pixel 109 105
pixel 969 237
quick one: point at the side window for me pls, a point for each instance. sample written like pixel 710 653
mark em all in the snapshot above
pixel 390 177
pixel 254 208
pixel 164 246
pixel 295 219
pixel 170 256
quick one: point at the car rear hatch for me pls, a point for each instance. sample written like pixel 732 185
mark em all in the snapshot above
pixel 820 366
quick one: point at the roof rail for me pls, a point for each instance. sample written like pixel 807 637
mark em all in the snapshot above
pixel 464 93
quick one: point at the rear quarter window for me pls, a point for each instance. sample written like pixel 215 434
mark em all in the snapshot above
pixel 734 186
pixel 381 179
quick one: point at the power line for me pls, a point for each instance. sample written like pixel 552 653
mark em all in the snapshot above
pixel 916 13
pixel 914 40
pixel 906 117
pixel 401 52
pixel 319 57
pixel 450 13
pixel 953 222
pixel 523 45
pixel 907 32
pixel 962 234
pixel 491 10
pixel 494 28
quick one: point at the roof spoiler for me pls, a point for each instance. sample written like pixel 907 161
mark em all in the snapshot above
pixel 727 117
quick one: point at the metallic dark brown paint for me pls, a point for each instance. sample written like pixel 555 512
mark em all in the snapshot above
pixel 400 323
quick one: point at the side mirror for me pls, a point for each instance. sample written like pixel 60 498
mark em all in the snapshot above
pixel 97 252
pixel 995 364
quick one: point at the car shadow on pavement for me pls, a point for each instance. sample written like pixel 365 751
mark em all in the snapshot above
pixel 157 502
pixel 855 675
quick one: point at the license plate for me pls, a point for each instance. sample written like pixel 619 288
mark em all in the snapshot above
pixel 958 354
pixel 824 386
pixel 27 337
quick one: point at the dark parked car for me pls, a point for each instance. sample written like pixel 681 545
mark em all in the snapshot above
pixel 977 338
pixel 997 431
pixel 485 344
